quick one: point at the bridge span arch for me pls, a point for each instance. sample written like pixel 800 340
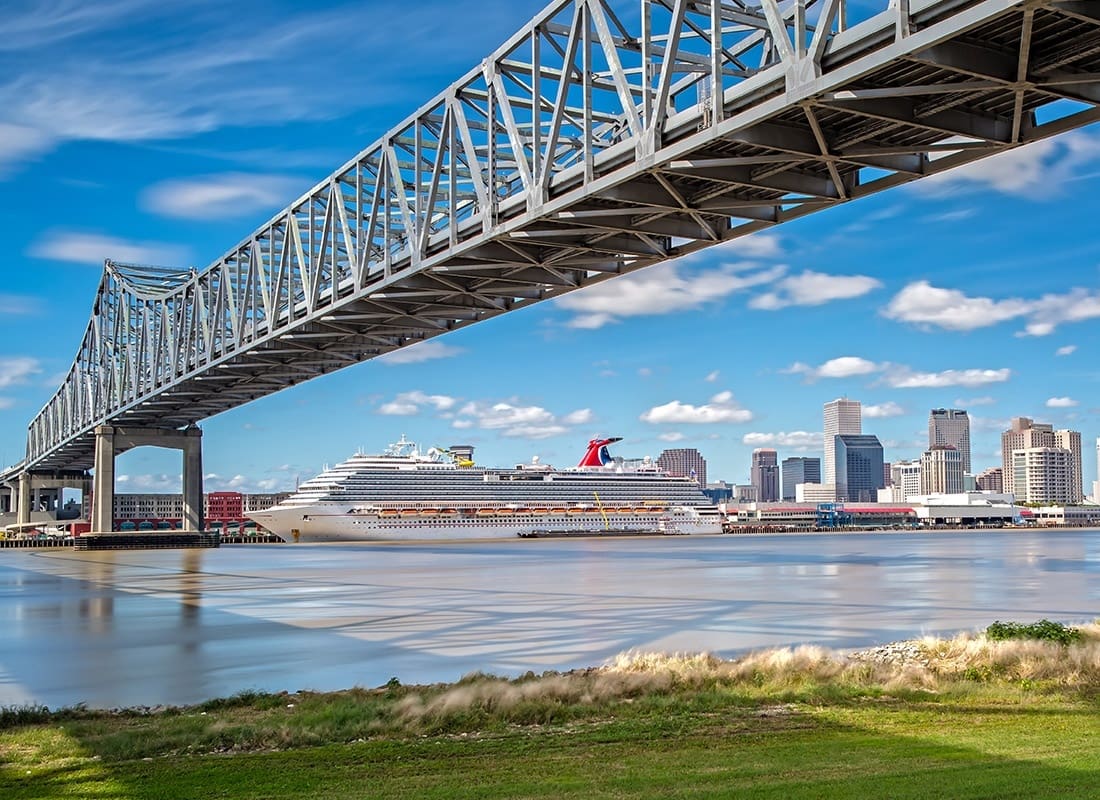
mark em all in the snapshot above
pixel 589 145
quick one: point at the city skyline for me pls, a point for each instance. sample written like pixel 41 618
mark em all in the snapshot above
pixel 977 290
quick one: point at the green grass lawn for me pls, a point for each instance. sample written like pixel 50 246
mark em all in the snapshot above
pixel 997 721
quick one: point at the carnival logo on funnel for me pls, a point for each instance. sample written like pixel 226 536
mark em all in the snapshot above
pixel 596 455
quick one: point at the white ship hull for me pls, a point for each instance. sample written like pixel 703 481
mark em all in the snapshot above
pixel 402 495
pixel 332 523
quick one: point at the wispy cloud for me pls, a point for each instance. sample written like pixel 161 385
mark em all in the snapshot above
pixel 1037 171
pixel 518 421
pixel 905 378
pixel 811 288
pixel 1061 402
pixel 667 288
pixel 407 404
pixel 420 352
pixel 841 367
pixel 797 440
pixel 964 402
pixel 16 370
pixel 721 408
pixel 92 248
pixel 1066 350
pixel 883 410
pixel 80 71
pixel 930 306
pixel 225 196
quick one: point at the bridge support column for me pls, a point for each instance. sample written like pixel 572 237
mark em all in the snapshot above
pixel 193 512
pixel 112 440
pixel 103 482
pixel 25 501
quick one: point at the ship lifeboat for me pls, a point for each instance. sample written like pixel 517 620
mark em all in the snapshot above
pixel 538 512
pixel 448 512
pixel 523 511
pixel 625 510
pixel 388 512
pixel 557 511
pixel 578 510
pixel 429 512
pixel 409 512
pixel 504 512
pixel 486 512
pixel 642 510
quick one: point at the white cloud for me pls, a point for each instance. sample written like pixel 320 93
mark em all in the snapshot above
pixel 758 245
pixel 799 440
pixel 17 369
pixel 409 403
pixel 15 304
pixel 150 483
pixel 905 378
pixel 974 401
pixel 813 289
pixel 671 436
pixel 94 248
pixel 582 416
pixel 883 410
pixel 1066 350
pixel 221 196
pixel 927 305
pixel 518 421
pixel 1038 170
pixel 419 352
pixel 721 408
pixel 712 377
pixel 1061 402
pixel 6 402
pixel 842 367
pixel 664 289
pixel 19 144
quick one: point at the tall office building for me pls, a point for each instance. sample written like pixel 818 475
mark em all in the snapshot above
pixel 858 460
pixel 686 462
pixel 1023 432
pixel 799 470
pixel 1071 440
pixel 843 417
pixel 941 470
pixel 765 474
pixel 1096 483
pixel 951 426
pixel 905 480
pixel 1042 475
pixel 1026 434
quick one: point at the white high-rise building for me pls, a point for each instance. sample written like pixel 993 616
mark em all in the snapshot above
pixel 951 426
pixel 941 470
pixel 1071 440
pixel 905 476
pixel 1042 475
pixel 1023 433
pixel 842 417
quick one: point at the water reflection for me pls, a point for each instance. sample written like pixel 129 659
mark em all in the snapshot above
pixel 123 628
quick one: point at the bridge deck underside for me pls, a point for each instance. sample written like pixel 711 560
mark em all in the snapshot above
pixel 789 148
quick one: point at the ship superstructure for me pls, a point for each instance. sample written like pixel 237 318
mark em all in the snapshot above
pixel 406 494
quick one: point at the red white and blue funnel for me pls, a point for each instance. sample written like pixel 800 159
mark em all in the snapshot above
pixel 596 455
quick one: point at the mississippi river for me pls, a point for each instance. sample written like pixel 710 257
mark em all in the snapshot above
pixel 172 627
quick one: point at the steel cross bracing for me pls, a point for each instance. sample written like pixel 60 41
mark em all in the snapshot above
pixel 589 145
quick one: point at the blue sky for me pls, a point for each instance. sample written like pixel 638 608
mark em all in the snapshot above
pixel 134 131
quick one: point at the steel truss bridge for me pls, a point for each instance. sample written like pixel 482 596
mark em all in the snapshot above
pixel 589 145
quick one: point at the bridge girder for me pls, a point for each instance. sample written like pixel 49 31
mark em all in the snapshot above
pixel 580 150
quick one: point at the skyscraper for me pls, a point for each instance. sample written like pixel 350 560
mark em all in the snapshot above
pixel 684 462
pixel 941 470
pixel 1042 475
pixel 1026 434
pixel 765 474
pixel 858 460
pixel 951 426
pixel 1023 432
pixel 799 470
pixel 843 417
pixel 1071 440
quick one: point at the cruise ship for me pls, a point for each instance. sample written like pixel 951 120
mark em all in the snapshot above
pixel 404 494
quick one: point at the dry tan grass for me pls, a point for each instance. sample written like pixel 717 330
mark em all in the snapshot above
pixel 931 665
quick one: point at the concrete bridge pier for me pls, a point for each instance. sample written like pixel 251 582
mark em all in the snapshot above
pixel 110 440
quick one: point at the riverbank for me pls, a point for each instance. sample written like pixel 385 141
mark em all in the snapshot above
pixel 963 717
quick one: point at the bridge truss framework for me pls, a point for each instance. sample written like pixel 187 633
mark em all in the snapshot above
pixel 583 148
